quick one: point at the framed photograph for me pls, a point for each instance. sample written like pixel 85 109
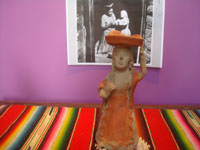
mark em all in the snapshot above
pixel 89 21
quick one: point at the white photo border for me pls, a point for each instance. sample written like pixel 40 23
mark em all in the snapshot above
pixel 157 34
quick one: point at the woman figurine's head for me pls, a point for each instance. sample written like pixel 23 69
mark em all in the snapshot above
pixel 110 12
pixel 122 58
pixel 124 14
pixel 109 9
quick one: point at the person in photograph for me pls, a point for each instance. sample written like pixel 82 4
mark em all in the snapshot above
pixel 123 22
pixel 108 23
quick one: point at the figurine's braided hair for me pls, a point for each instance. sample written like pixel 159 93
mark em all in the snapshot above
pixel 110 76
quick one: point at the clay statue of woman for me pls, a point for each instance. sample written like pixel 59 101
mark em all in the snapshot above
pixel 117 126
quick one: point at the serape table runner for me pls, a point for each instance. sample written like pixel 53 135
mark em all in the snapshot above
pixel 58 128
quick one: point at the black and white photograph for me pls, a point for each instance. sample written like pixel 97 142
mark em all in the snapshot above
pixel 89 21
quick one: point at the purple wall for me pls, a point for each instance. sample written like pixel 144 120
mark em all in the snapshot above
pixel 33 57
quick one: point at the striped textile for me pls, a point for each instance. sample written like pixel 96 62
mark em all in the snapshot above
pixel 29 127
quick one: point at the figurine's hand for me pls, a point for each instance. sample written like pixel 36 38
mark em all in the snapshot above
pixel 110 86
pixel 105 91
pixel 103 94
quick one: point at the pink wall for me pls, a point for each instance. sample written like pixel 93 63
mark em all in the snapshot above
pixel 33 57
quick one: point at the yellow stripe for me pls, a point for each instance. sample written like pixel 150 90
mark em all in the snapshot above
pixel 79 112
pixel 18 129
pixel 34 131
pixel 63 128
pixel 14 121
pixel 54 113
pixel 58 127
pixel 179 129
pixel 195 116
pixel 193 123
pixel 169 130
pixel 41 129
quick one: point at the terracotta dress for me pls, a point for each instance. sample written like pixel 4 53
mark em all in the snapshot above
pixel 117 127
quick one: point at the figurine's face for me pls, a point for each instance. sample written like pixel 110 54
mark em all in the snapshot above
pixel 121 57
pixel 123 14
pixel 110 12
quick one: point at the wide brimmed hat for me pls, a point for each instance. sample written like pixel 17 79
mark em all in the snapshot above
pixel 109 5
pixel 116 38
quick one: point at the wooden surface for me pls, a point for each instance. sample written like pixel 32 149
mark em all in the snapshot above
pixel 59 104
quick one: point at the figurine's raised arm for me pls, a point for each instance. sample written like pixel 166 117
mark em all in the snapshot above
pixel 142 62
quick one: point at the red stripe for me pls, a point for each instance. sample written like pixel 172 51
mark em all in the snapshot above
pixel 159 130
pixel 9 117
pixel 15 125
pixel 82 134
pixel 142 128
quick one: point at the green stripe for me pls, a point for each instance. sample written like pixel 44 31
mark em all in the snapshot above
pixel 72 134
pixel 178 132
pixel 195 116
pixel 191 120
pixel 170 131
pixel 28 126
pixel 48 124
pixel 36 129
pixel 68 129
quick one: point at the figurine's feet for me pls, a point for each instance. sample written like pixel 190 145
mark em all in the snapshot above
pixel 100 148
pixel 142 145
